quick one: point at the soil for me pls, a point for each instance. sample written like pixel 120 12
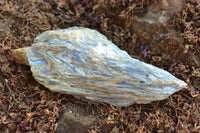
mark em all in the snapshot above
pixel 26 106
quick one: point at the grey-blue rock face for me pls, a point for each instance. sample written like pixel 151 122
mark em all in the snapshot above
pixel 82 62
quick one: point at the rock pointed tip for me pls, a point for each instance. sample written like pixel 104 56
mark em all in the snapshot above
pixel 183 85
pixel 180 85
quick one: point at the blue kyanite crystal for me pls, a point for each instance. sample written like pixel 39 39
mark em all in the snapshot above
pixel 82 62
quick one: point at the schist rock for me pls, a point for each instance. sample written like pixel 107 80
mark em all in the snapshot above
pixel 84 63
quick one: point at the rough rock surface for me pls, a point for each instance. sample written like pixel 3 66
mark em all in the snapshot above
pixel 73 122
pixel 155 25
pixel 82 62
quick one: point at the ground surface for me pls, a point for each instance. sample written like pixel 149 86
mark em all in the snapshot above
pixel 26 106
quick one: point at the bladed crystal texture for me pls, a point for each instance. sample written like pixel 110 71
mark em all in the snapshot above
pixel 84 63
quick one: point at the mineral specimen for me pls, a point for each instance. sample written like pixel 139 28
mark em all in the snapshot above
pixel 82 62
